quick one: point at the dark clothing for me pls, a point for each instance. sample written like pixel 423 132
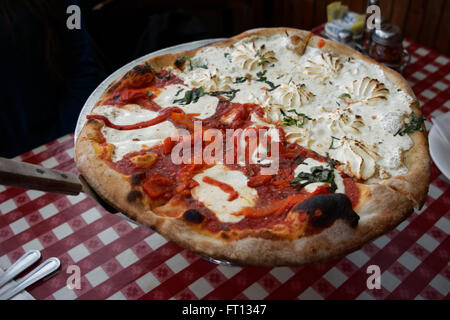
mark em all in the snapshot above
pixel 38 105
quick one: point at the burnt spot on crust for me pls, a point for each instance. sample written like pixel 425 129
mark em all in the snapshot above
pixel 224 235
pixel 140 76
pixel 136 178
pixel 193 216
pixel 324 209
pixel 113 87
pixel 179 63
pixel 134 195
pixel 140 73
pixel 141 69
pixel 295 40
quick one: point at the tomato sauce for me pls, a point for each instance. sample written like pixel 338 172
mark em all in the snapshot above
pixel 351 190
pixel 223 186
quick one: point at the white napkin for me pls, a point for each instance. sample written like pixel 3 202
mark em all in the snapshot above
pixel 24 295
pixel 442 124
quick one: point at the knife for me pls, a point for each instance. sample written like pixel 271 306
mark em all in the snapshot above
pixel 29 176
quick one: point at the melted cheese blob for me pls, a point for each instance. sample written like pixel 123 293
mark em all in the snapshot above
pixel 127 141
pixel 216 200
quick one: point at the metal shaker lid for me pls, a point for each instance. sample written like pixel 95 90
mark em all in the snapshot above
pixel 345 36
pixel 388 35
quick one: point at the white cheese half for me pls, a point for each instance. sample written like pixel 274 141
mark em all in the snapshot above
pixel 216 200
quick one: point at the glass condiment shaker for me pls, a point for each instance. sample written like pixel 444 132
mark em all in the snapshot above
pixel 387 47
pixel 346 37
pixel 367 33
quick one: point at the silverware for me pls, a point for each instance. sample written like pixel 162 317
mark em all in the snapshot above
pixel 46 268
pixel 24 262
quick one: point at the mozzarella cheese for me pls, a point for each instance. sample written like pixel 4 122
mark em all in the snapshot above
pixel 260 131
pixel 125 115
pixel 126 141
pixel 216 200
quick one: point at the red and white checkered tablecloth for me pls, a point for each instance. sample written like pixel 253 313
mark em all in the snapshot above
pixel 119 260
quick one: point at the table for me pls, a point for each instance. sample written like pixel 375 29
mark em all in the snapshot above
pixel 120 260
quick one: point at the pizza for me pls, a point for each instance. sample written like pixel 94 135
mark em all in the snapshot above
pixel 273 147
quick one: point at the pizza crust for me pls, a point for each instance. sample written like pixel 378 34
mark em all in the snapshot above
pixel 382 206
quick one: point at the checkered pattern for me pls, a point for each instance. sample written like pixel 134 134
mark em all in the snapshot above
pixel 119 260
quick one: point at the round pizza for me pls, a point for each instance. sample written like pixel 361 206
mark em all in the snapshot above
pixel 274 147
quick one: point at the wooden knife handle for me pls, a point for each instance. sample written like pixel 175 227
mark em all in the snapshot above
pixel 30 176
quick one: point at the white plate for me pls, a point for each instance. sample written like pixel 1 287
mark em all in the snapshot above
pixel 93 98
pixel 440 152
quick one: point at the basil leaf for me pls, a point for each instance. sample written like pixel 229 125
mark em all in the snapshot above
pixel 331 162
pixel 262 59
pixel 240 79
pixel 415 124
pixel 344 96
pixel 290 121
pixel 160 76
pixel 316 174
pixel 272 86
pixel 331 147
pixel 230 94
pixel 191 96
pixel 262 78
pixel 180 62
pixel 297 160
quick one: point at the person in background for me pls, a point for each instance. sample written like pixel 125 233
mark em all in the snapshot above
pixel 48 72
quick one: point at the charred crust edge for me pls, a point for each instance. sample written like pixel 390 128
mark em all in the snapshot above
pixel 137 178
pixel 193 216
pixel 134 195
pixel 324 209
